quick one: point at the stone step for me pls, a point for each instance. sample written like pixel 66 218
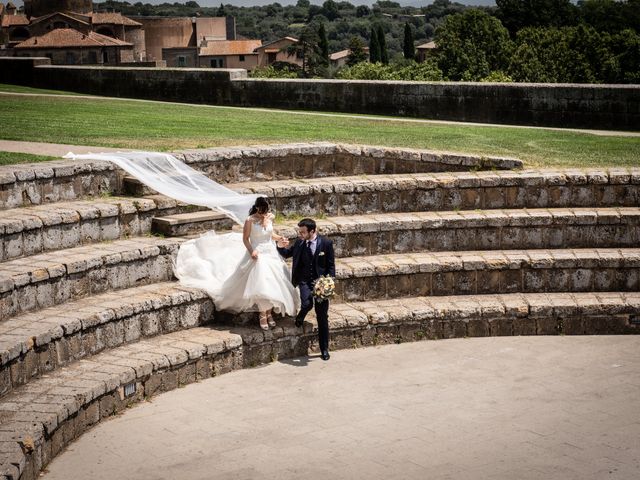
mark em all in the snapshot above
pixel 544 188
pixel 47 182
pixel 34 344
pixel 193 222
pixel 373 234
pixel 479 272
pixel 30 184
pixel 40 419
pixel 32 230
pixel 52 278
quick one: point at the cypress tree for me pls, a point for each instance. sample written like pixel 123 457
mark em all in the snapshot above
pixel 384 54
pixel 374 47
pixel 407 46
pixel 323 44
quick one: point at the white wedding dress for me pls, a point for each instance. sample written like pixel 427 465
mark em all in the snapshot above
pixel 222 266
pixel 218 264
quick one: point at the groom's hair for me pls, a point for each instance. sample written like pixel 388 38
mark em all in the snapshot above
pixel 309 223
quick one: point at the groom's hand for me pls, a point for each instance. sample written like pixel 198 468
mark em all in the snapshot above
pixel 283 242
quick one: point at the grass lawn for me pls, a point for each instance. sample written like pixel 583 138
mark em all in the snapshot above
pixel 20 89
pixel 162 126
pixel 9 158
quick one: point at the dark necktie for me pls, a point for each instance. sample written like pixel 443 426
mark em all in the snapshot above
pixel 309 248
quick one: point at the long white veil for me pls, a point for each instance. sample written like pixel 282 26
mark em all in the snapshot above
pixel 171 177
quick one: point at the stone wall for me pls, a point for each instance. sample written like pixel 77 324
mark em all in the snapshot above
pixel 608 107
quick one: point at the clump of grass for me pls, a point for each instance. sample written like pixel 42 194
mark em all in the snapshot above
pixel 11 158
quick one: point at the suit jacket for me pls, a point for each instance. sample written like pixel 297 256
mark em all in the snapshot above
pixel 324 258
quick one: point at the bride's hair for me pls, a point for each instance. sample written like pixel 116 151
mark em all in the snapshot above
pixel 261 206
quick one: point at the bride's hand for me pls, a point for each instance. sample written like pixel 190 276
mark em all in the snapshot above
pixel 283 242
pixel 254 254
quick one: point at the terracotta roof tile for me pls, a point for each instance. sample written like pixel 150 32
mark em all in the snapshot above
pixel 285 39
pixel 426 46
pixel 67 37
pixel 112 19
pixel 12 20
pixel 230 47
pixel 71 16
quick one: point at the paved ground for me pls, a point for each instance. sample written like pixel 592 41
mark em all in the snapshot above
pixel 501 408
pixel 51 149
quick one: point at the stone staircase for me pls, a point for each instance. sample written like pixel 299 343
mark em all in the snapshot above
pixel 429 246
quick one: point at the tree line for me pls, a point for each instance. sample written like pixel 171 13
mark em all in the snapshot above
pixel 593 41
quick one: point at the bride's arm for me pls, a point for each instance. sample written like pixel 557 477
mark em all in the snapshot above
pixel 246 232
pixel 274 235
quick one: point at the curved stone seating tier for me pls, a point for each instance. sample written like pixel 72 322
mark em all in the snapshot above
pixel 429 246
pixel 352 195
pixel 52 278
pixel 35 343
pixel 33 184
pixel 40 419
pixel 500 271
pixel 32 230
pixel 372 234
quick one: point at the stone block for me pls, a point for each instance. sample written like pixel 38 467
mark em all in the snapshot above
pixel 524 326
pixel 501 327
pixel 454 329
pixel 547 326
pixel 477 327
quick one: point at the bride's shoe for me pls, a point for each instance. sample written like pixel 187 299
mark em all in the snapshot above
pixel 264 325
pixel 271 321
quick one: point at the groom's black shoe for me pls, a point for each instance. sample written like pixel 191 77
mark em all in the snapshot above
pixel 299 322
pixel 325 355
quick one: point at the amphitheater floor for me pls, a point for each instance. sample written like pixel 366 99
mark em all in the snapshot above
pixel 490 408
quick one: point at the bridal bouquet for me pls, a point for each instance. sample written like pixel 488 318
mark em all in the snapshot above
pixel 324 288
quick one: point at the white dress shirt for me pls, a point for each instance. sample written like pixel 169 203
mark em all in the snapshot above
pixel 313 243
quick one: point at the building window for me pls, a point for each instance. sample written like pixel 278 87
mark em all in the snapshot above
pixel 70 58
pixel 182 61
pixel 93 57
pixel 271 57
pixel 242 58
pixel 105 57
pixel 217 63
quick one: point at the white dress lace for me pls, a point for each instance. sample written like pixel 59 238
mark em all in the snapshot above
pixel 221 265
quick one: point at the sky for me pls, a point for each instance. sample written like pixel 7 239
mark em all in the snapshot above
pixel 246 3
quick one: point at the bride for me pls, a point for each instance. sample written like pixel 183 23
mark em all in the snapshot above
pixel 241 273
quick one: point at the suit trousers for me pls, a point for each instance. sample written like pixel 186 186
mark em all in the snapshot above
pixel 322 313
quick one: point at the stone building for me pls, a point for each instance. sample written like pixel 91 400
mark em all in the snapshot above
pixel 425 50
pixel 230 54
pixel 183 36
pixel 66 46
pixel 276 51
pixel 69 32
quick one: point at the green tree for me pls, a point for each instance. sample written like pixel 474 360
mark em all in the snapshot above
pixel 363 11
pixel 518 14
pixel 323 44
pixel 408 47
pixel 357 53
pixel 471 45
pixel 382 41
pixel 221 12
pixel 330 10
pixel 308 50
pixel 374 47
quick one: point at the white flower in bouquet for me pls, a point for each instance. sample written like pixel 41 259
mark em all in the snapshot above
pixel 324 288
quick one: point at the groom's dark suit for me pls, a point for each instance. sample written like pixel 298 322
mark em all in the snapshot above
pixel 307 267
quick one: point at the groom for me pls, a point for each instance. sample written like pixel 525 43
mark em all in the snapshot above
pixel 313 257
